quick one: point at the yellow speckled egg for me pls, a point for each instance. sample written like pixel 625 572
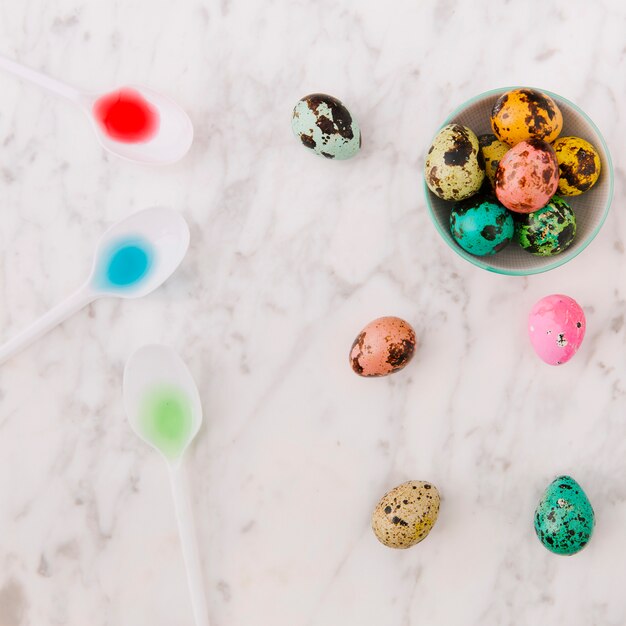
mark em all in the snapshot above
pixel 492 150
pixel 579 165
pixel 523 114
pixel 406 514
pixel 453 168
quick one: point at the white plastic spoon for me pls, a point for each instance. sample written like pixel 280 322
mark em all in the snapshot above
pixel 171 131
pixel 163 405
pixel 133 257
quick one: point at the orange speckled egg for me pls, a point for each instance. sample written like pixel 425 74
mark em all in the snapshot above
pixel 383 347
pixel 523 114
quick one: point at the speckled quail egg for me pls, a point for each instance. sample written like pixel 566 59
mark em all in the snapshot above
pixel 527 176
pixel 454 168
pixel 406 514
pixel 579 165
pixel 523 114
pixel 564 519
pixel 481 225
pixel 492 150
pixel 556 327
pixel 549 230
pixel 383 347
pixel 324 125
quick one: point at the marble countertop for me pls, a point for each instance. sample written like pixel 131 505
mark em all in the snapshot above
pixel 291 255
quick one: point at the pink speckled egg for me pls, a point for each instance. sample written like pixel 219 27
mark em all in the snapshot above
pixel 384 346
pixel 527 176
pixel 556 326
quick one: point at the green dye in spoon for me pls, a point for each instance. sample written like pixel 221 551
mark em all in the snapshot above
pixel 166 421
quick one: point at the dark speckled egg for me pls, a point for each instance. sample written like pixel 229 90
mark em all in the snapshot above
pixel 383 347
pixel 481 225
pixel 549 230
pixel 523 114
pixel 406 514
pixel 454 165
pixel 564 518
pixel 527 176
pixel 325 126
pixel 579 165
pixel 492 150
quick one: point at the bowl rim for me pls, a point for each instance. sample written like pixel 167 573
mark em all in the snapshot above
pixel 478 261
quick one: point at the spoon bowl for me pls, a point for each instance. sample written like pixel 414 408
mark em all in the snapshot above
pixel 170 142
pixel 153 242
pixel 162 401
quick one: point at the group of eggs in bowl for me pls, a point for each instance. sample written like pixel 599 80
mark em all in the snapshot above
pixel 521 166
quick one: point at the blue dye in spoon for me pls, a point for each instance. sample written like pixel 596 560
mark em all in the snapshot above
pixel 125 263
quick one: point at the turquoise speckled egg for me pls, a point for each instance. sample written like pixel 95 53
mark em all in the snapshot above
pixel 481 225
pixel 549 230
pixel 323 124
pixel 564 518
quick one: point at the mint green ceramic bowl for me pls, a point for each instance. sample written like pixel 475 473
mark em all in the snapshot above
pixel 591 207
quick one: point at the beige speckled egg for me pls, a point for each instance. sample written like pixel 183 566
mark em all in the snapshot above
pixel 384 346
pixel 406 514
pixel 454 168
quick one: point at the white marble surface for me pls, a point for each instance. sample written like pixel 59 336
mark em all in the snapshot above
pixel 291 255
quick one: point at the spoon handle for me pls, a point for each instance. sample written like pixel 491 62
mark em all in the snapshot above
pixel 187 531
pixel 33 76
pixel 46 322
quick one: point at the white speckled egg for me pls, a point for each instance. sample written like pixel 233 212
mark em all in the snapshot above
pixel 324 125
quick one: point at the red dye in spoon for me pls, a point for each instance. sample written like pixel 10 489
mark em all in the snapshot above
pixel 125 115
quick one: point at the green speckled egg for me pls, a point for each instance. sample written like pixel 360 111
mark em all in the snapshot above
pixel 481 225
pixel 323 124
pixel 548 231
pixel 564 518
pixel 454 167
pixel 492 150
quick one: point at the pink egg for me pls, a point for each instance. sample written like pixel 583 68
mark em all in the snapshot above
pixel 384 346
pixel 556 326
pixel 527 176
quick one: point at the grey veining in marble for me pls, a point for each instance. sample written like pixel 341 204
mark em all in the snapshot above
pixel 291 256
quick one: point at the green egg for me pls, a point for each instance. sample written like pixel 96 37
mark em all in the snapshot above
pixel 564 518
pixel 481 225
pixel 325 126
pixel 548 231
